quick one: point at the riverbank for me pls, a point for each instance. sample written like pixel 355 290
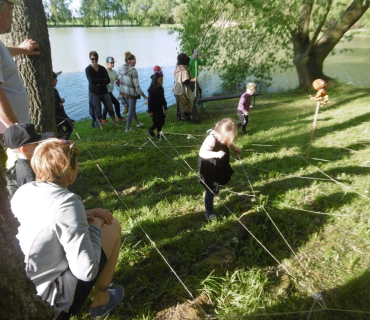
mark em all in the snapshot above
pixel 312 215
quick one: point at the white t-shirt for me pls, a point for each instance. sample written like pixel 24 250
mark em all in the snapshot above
pixel 13 87
pixel 112 77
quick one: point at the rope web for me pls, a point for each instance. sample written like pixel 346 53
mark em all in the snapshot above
pixel 317 297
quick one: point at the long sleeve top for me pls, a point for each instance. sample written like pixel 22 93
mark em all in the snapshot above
pixel 157 101
pixel 59 245
pixel 98 80
pixel 129 82
pixel 245 102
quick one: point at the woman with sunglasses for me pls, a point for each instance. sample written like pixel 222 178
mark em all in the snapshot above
pixel 130 88
pixel 98 79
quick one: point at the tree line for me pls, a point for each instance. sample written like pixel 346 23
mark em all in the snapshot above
pixel 113 12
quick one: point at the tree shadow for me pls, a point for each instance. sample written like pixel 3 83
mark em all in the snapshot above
pixel 337 304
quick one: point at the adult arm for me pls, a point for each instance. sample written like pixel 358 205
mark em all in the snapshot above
pixel 135 82
pixel 207 147
pixel 27 47
pixel 7 116
pixel 81 241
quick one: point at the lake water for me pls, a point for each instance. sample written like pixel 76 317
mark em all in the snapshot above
pixel 70 49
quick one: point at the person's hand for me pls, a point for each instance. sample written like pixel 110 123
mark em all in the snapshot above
pixel 219 154
pixel 251 106
pixel 246 113
pixel 31 47
pixel 238 151
pixel 99 214
pixel 145 97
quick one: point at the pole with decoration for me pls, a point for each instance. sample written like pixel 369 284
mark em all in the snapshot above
pixel 321 98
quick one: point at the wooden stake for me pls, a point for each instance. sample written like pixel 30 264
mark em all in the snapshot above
pixel 313 127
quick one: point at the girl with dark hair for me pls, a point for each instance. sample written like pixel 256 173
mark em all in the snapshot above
pixel 157 104
pixel 182 88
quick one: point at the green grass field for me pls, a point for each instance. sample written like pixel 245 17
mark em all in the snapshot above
pixel 292 238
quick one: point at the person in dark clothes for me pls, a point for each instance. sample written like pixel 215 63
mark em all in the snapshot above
pixel 98 79
pixel 157 104
pixel 63 122
pixel 23 140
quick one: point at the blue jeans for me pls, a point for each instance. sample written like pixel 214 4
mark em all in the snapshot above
pixel 131 112
pixel 97 99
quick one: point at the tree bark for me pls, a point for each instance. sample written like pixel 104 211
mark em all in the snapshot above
pixel 310 54
pixel 18 293
pixel 36 71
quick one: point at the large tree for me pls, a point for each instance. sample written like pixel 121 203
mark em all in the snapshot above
pixel 245 37
pixel 36 71
pixel 18 294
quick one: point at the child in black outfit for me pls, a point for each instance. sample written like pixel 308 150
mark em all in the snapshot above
pixel 213 162
pixel 157 104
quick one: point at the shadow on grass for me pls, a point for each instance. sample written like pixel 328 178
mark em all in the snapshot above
pixel 338 301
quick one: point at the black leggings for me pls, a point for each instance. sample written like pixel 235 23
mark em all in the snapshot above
pixel 208 200
pixel 243 120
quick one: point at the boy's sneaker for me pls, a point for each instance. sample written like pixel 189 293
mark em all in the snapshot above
pixel 94 125
pixel 139 125
pixel 115 297
pixel 128 130
pixel 210 215
pixel 122 119
pixel 104 121
pixel 151 133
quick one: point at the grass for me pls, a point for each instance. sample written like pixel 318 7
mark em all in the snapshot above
pixel 311 214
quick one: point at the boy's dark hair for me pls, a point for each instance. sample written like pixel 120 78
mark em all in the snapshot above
pixel 154 85
pixel 183 59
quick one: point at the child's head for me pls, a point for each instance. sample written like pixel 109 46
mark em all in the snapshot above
pixel 55 77
pixel 227 131
pixel 251 87
pixel 24 139
pixel 158 69
pixel 157 81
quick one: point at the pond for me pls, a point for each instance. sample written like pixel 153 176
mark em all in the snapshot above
pixel 152 46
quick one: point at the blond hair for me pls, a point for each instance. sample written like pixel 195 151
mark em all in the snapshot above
pixel 251 86
pixel 53 158
pixel 129 56
pixel 227 130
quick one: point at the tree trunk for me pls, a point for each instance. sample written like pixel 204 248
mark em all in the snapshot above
pixel 18 293
pixel 36 71
pixel 310 54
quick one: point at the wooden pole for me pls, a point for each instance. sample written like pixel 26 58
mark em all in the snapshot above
pixel 313 127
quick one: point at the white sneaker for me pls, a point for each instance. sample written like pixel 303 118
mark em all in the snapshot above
pixel 139 125
pixel 128 130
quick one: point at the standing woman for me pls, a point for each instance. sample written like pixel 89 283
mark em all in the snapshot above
pixel 130 88
pixel 98 79
pixel 182 88
pixel 113 77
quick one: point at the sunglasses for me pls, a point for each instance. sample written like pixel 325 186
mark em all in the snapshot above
pixel 93 59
